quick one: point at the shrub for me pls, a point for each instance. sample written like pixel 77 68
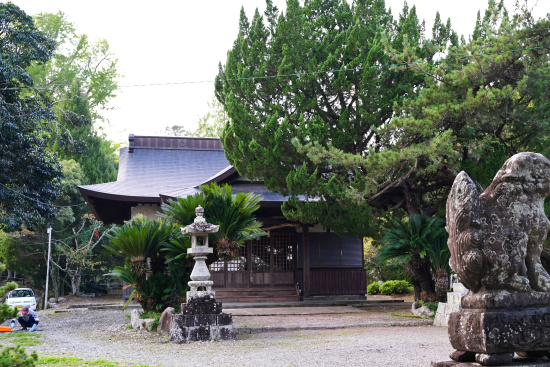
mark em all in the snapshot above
pixel 431 305
pixel 16 357
pixel 395 287
pixel 373 288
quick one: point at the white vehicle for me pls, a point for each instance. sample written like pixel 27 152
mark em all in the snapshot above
pixel 20 297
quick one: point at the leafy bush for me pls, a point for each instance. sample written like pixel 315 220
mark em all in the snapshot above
pixel 152 315
pixel 395 287
pixel 373 288
pixel 156 293
pixel 17 357
pixel 431 305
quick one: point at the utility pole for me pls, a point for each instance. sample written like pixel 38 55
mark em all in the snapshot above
pixel 48 266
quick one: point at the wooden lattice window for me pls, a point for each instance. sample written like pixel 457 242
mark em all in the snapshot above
pixel 261 254
pixel 282 252
pixel 240 260
pixel 237 264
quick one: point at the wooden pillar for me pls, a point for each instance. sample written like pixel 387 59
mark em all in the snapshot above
pixel 250 278
pixel 305 256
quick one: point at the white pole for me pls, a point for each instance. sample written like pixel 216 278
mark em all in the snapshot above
pixel 48 266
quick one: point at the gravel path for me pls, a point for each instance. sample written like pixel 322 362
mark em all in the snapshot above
pixel 103 334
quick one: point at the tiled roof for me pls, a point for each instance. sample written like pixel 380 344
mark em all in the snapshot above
pixel 152 169
pixel 154 165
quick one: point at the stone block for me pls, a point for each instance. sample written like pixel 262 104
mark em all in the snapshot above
pixel 443 313
pixel 500 331
pixel 166 320
pixel 201 305
pixel 189 328
pixel 224 319
pixel 134 318
pixel 227 332
pixel 148 324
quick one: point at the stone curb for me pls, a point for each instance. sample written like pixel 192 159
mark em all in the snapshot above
pixel 266 329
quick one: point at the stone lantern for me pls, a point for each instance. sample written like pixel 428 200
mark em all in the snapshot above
pixel 201 318
pixel 200 284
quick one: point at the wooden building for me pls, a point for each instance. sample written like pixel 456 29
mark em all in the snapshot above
pixel 294 259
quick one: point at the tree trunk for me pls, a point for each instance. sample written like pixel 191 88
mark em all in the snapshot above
pixel 75 281
pixel 55 281
pixel 441 284
pixel 419 269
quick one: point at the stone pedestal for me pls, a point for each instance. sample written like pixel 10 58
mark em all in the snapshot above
pixel 202 319
pixel 444 309
pixel 492 325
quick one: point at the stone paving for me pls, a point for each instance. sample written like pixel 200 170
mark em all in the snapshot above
pixel 254 320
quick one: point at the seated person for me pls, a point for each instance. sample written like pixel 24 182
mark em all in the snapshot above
pixel 28 319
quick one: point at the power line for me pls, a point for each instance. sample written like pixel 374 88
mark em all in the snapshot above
pixel 51 86
pixel 38 201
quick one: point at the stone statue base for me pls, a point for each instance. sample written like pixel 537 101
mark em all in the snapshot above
pixel 492 325
pixel 201 319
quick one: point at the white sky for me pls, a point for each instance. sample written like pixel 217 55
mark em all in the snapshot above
pixel 167 41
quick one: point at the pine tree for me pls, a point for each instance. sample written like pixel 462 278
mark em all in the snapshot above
pixel 330 92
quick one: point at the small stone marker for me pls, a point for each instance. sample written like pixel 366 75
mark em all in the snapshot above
pixel 165 321
pixel 134 318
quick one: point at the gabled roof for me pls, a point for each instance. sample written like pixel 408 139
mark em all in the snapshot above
pixel 152 169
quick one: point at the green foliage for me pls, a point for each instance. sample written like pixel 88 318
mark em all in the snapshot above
pixel 234 213
pixel 431 305
pixel 156 293
pixel 410 242
pixel 373 288
pixel 90 72
pixel 28 171
pixel 312 132
pixel 17 357
pixel 139 238
pixel 129 276
pixel 7 312
pixel 392 287
pixel 364 141
pixel 407 238
pixel 20 254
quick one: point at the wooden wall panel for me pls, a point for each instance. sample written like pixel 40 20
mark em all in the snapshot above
pixel 338 282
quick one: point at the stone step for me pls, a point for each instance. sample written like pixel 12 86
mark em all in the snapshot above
pixel 459 287
pixel 280 294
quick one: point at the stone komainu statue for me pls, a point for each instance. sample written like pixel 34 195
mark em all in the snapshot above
pixel 496 238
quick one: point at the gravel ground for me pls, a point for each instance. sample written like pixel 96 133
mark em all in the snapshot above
pixel 104 334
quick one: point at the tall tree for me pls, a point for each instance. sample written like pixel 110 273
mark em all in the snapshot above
pixel 81 81
pixel 357 142
pixel 28 171
pixel 312 80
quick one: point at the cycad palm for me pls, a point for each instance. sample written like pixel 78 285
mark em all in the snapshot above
pixel 139 239
pixel 234 213
pixel 408 242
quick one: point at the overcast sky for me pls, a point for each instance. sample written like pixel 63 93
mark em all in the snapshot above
pixel 162 41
